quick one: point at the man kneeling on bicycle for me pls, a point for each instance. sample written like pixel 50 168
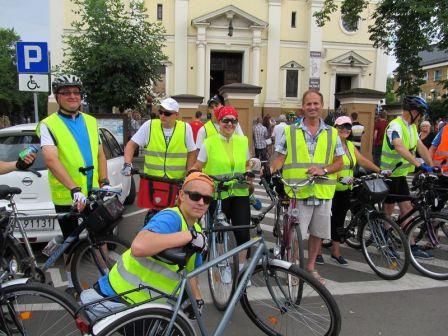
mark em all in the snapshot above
pixel 170 228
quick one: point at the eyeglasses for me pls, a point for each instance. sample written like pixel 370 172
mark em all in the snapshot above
pixel 229 120
pixel 196 197
pixel 347 127
pixel 67 93
pixel 165 113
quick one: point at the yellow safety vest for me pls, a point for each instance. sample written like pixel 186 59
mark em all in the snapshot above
pixel 70 156
pixel 131 272
pixel 166 160
pixel 298 161
pixel 349 160
pixel 210 129
pixel 218 163
pixel 390 157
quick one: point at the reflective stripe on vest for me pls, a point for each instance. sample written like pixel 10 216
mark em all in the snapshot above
pixel 390 157
pixel 162 160
pixel 70 156
pixel 441 153
pixel 349 164
pixel 298 161
pixel 218 163
pixel 131 272
pixel 210 129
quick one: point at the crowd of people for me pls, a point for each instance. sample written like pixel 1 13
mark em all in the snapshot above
pixel 192 152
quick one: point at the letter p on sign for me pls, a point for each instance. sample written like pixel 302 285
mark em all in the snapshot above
pixel 32 57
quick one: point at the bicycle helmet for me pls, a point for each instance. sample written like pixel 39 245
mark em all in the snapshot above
pixel 64 81
pixel 415 103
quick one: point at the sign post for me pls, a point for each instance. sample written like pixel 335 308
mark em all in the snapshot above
pixel 32 66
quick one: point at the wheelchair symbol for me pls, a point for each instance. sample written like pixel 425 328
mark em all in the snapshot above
pixel 32 85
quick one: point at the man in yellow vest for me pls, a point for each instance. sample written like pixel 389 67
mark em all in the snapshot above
pixel 400 143
pixel 311 148
pixel 169 228
pixel 73 153
pixel 169 146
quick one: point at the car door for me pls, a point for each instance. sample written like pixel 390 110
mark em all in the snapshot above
pixel 115 159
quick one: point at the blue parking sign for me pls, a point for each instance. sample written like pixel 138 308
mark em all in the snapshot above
pixel 32 57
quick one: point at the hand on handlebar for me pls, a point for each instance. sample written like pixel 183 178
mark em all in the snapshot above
pixel 386 172
pixel 127 169
pixel 426 168
pixel 79 199
pixel 316 171
pixel 347 180
pixel 198 241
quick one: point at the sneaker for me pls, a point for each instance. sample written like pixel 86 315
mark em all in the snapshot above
pixel 418 253
pixel 320 259
pixel 71 291
pixel 339 260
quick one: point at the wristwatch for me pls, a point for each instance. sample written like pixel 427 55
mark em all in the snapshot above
pixel 326 171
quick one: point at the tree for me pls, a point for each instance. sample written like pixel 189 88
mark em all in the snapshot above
pixel 115 50
pixel 390 95
pixel 401 27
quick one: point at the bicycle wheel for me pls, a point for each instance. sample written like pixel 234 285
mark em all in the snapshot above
pixel 294 249
pixel 435 243
pixel 352 240
pixel 91 261
pixel 222 277
pixel 385 248
pixel 38 309
pixel 276 306
pixel 14 251
pixel 149 321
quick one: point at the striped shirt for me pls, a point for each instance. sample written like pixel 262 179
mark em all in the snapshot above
pixel 311 142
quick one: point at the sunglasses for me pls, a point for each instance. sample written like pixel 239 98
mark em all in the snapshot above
pixel 229 120
pixel 69 93
pixel 165 113
pixel 196 197
pixel 347 127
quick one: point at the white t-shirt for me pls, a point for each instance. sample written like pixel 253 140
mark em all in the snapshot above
pixel 141 138
pixel 202 156
pixel 278 132
pixel 201 134
pixel 395 127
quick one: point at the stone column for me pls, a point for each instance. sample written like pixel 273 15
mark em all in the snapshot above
pixel 180 46
pixel 256 41
pixel 362 101
pixel 242 97
pixel 201 42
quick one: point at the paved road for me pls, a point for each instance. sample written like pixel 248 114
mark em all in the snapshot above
pixel 412 305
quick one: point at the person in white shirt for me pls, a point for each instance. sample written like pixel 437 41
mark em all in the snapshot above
pixel 279 129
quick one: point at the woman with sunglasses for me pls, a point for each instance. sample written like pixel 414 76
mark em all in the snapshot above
pixel 341 200
pixel 227 154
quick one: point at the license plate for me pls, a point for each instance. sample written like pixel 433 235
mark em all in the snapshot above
pixel 38 224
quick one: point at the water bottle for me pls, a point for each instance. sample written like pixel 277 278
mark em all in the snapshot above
pixel 53 245
pixel 29 150
pixel 255 202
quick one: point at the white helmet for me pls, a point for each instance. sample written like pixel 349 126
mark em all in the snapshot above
pixel 65 80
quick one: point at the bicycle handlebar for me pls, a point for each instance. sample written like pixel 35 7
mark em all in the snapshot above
pixel 309 180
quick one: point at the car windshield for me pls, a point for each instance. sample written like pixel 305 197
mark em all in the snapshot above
pixel 12 144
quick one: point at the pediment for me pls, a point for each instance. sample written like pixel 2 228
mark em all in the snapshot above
pixel 221 17
pixel 292 65
pixel 350 58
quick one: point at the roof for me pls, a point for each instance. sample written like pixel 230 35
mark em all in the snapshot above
pixel 433 57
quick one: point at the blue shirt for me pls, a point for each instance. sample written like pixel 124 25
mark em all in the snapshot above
pixel 438 139
pixel 166 221
pixel 77 127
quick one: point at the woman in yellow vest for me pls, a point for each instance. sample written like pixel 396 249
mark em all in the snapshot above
pixel 341 200
pixel 227 154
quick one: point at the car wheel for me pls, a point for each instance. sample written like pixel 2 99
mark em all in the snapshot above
pixel 132 193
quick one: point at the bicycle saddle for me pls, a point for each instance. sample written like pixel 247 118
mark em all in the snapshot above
pixel 175 256
pixel 7 191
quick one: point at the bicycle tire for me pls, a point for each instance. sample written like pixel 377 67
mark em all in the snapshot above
pixel 85 269
pixel 222 277
pixel 437 267
pixel 353 240
pixel 385 247
pixel 314 311
pixel 296 245
pixel 135 324
pixel 13 250
pixel 40 310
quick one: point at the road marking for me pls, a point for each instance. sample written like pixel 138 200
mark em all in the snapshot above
pixel 134 213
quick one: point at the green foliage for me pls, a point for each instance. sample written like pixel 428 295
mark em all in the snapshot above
pixel 14 103
pixel 115 50
pixel 438 108
pixel 403 28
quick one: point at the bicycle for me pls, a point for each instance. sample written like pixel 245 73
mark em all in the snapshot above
pixel 30 308
pixel 427 228
pixel 273 303
pixel 90 256
pixel 383 243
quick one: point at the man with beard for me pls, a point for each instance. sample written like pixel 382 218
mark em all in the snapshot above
pixel 73 153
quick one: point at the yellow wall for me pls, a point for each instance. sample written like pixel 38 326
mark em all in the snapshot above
pixel 301 32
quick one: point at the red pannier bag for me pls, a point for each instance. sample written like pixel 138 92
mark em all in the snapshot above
pixel 157 193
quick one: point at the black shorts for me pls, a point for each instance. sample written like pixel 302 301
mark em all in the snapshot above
pixel 397 186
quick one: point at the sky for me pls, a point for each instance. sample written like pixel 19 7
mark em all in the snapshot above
pixel 30 19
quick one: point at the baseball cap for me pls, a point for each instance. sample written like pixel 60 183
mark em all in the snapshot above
pixel 170 104
pixel 198 176
pixel 343 120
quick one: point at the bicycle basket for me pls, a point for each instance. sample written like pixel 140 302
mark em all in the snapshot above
pixel 374 191
pixel 105 214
